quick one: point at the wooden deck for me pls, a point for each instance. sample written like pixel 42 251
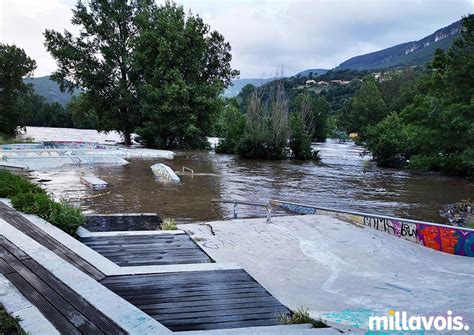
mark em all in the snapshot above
pixel 160 249
pixel 201 300
pixel 122 222
pixel 28 228
pixel 63 307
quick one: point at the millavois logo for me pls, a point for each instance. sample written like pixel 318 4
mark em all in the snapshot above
pixel 402 321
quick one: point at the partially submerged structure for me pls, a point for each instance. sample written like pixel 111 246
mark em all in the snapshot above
pixel 50 154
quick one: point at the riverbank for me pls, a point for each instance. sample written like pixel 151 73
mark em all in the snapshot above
pixel 341 272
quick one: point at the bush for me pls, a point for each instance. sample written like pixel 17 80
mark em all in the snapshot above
pixel 301 316
pixel 11 185
pixel 169 224
pixel 31 199
pixel 33 203
pixel 65 217
pixel 388 142
pixel 10 325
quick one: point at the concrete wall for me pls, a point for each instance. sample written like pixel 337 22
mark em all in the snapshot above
pixel 449 239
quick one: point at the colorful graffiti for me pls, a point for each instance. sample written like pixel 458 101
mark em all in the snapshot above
pixel 452 240
pixel 297 208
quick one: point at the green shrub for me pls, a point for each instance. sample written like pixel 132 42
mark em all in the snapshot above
pixel 169 224
pixel 299 317
pixel 10 325
pixel 33 203
pixel 32 199
pixel 11 185
pixel 66 217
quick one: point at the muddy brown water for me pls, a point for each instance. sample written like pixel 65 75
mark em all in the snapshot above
pixel 338 181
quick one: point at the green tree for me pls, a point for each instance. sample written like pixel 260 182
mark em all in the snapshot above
pixel 254 143
pixel 367 107
pixel 244 97
pixel 101 60
pixel 14 65
pixel 302 128
pixel 232 125
pixel 82 112
pixel 388 142
pixel 185 67
pixel 321 110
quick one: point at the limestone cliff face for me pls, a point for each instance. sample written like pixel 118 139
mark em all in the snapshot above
pixel 415 53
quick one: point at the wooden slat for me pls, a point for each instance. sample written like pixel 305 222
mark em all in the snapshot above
pixel 50 313
pixel 97 317
pixel 200 299
pixel 61 305
pixel 140 250
pixel 28 228
pixel 12 249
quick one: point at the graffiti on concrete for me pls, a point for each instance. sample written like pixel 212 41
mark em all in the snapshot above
pixel 452 240
pixel 393 227
pixel 298 208
pixel 72 145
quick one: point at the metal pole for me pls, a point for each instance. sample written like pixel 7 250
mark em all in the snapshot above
pixel 269 214
pixel 235 210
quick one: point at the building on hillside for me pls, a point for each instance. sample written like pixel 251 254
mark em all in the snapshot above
pixel 323 83
pixel 310 82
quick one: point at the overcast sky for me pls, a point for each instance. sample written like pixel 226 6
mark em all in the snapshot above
pixel 265 35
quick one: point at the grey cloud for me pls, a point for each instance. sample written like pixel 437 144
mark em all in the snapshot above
pixel 266 35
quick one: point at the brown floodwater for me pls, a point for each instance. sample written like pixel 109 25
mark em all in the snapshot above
pixel 337 181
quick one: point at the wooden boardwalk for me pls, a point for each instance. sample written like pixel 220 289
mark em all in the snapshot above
pixel 197 300
pixel 28 228
pixel 201 300
pixel 159 249
pixel 63 307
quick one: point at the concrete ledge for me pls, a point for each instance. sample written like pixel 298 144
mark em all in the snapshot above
pixel 32 321
pixel 117 309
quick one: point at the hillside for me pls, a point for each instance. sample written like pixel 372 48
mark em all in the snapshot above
pixel 237 85
pixel 311 72
pixel 406 54
pixel 49 89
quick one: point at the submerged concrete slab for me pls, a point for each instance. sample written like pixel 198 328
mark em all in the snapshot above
pixel 341 272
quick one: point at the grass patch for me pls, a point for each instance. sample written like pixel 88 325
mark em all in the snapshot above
pixel 168 224
pixel 32 199
pixel 299 317
pixel 11 185
pixel 9 325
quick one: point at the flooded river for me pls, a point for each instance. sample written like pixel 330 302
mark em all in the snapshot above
pixel 338 181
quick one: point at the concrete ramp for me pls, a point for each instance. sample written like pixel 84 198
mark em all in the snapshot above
pixel 342 272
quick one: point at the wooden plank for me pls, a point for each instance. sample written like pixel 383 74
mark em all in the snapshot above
pixel 210 297
pixel 148 249
pixel 218 314
pixel 27 227
pixel 203 305
pixel 12 248
pixel 5 268
pixel 201 299
pixel 64 307
pixel 97 317
pixel 49 311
